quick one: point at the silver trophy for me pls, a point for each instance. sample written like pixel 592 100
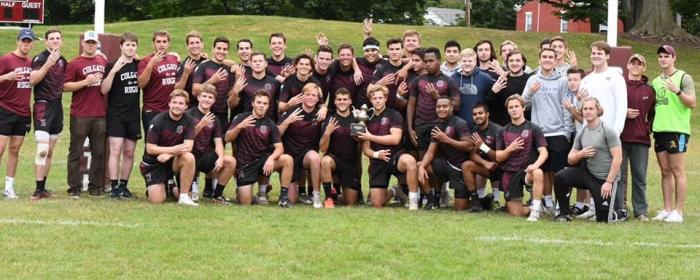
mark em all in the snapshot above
pixel 361 116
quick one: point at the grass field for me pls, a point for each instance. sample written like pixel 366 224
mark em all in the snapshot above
pixel 101 238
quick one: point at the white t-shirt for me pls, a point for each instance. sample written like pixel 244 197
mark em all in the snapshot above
pixel 611 91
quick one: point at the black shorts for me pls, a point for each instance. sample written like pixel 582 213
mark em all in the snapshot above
pixel 671 142
pixel 558 148
pixel 48 116
pixel 513 183
pixel 298 164
pixel 380 171
pixel 206 162
pixel 12 124
pixel 146 117
pixel 423 133
pixel 124 129
pixel 248 174
pixel 157 172
pixel 445 170
pixel 347 172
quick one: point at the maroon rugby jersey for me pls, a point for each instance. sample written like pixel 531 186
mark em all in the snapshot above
pixel 204 140
pixel 204 72
pixel 292 86
pixel 532 139
pixel 342 79
pixel 367 69
pixel 275 67
pixel 303 134
pixel 268 83
pixel 88 101
pixel 51 87
pixel 255 141
pixel 341 144
pixel 156 94
pixel 166 132
pixel 385 68
pixel 425 103
pixel 455 128
pixel 381 125
pixel 15 95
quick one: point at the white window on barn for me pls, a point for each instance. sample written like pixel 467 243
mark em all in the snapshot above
pixel 528 21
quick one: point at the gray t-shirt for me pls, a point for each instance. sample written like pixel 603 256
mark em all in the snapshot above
pixel 603 138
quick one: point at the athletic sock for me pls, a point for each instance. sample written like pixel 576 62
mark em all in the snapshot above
pixel 404 188
pixel 40 185
pixel 481 192
pixel 219 191
pixel 284 192
pixel 548 201
pixel 327 190
pixel 262 189
pixel 580 205
pixel 208 185
pixel 436 195
pixel 591 204
pixel 496 193
pixel 9 183
pixel 115 184
pixel 123 183
pixel 536 204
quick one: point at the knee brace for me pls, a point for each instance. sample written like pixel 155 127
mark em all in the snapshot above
pixel 42 150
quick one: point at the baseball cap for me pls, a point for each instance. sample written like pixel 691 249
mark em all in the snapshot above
pixel 90 36
pixel 666 49
pixel 638 57
pixel 26 33
pixel 370 43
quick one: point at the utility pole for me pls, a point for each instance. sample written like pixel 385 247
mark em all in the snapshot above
pixel 100 16
pixel 468 9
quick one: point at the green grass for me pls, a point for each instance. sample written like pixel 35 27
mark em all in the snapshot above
pixel 101 238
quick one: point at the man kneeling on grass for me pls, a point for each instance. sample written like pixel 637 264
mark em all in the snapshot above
pixel 515 146
pixel 168 151
pixel 254 134
pixel 597 156
pixel 208 149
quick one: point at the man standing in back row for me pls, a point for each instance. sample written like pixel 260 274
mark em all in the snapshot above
pixel 157 77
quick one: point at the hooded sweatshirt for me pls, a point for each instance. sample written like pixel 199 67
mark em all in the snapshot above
pixel 640 96
pixel 546 104
pixel 473 88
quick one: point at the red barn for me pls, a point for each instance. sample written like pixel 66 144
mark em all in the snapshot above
pixel 540 17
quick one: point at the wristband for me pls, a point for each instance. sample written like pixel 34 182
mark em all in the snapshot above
pixel 375 155
pixel 484 148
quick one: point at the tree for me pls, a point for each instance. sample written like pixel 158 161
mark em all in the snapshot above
pixel 648 18
pixel 499 14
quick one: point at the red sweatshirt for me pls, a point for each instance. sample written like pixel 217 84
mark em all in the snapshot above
pixel 642 97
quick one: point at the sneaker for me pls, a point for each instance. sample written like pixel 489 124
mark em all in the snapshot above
pixel 328 203
pixel 74 194
pixel 562 218
pixel 445 196
pixel 317 200
pixel 186 200
pixel 304 198
pixel 495 205
pixel 487 201
pixel 127 194
pixel 284 203
pixel 534 215
pixel 590 213
pixel 46 194
pixel 208 194
pixel 663 214
pixel 9 194
pixel 413 203
pixel 576 211
pixel 431 205
pixel 115 193
pixel 674 217
pixel 221 200
pixel 643 218
pixel 96 192
pixel 36 195
pixel 619 216
pixel 399 195
pixel 475 207
pixel 194 193
pixel 548 210
pixel 261 199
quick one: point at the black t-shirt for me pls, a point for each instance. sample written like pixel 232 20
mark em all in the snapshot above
pixel 166 132
pixel 123 97
pixel 489 136
pixel 188 84
pixel 455 128
pixel 253 142
pixel 204 140
pixel 303 134
pixel 381 125
pixel 204 72
pixel 341 144
pixel 383 69
pixel 367 68
pixel 497 102
pixel 293 86
pixel 51 87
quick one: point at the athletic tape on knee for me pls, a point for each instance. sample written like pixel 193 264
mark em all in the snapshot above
pixel 42 150
pixel 41 136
